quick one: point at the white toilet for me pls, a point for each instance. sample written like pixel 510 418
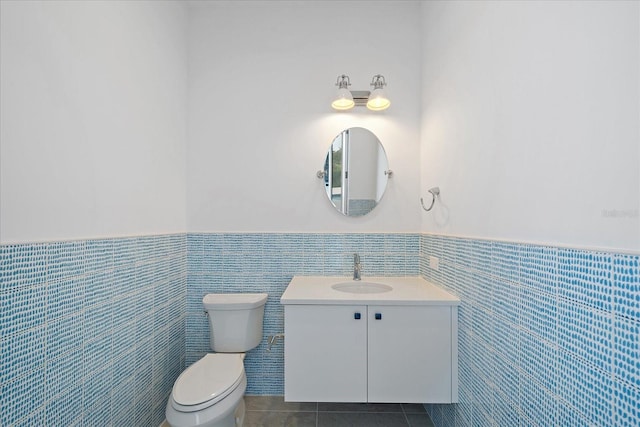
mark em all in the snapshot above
pixel 209 392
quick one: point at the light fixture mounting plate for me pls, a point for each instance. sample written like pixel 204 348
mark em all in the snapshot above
pixel 360 97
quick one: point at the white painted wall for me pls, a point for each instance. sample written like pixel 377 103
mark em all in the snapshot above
pixel 93 119
pixel 261 78
pixel 531 121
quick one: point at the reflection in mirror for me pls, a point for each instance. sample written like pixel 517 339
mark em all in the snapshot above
pixel 354 172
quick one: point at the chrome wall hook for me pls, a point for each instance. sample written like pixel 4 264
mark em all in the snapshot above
pixel 435 192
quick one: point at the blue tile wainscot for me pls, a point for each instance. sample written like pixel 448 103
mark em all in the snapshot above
pixel 92 331
pixel 548 336
pixel 266 262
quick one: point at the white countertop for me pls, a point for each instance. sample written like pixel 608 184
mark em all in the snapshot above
pixel 406 291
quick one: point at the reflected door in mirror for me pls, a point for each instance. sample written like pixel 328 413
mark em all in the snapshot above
pixel 355 166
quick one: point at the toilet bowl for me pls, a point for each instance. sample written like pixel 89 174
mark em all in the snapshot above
pixel 210 392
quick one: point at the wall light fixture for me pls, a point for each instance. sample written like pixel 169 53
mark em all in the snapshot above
pixel 378 100
pixel 346 99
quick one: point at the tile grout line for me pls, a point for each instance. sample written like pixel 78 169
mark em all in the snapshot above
pixel 406 418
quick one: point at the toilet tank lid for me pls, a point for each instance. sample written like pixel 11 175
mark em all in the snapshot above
pixel 233 301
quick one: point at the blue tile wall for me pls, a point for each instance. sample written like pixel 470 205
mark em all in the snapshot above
pixel 266 263
pixel 547 336
pixel 92 331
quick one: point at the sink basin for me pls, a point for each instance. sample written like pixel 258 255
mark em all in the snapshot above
pixel 361 287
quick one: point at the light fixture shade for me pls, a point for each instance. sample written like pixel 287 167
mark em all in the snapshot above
pixel 343 100
pixel 378 100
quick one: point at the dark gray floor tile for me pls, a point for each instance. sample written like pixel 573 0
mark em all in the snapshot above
pixel 277 403
pixel 359 407
pixel 273 411
pixel 414 408
pixel 279 419
pixel 419 420
pixel 361 419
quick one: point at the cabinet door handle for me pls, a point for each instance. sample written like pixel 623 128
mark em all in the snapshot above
pixel 378 316
pixel 357 316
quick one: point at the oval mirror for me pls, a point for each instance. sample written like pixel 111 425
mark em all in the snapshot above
pixel 355 171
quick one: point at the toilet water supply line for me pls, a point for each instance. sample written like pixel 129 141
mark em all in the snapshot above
pixel 273 340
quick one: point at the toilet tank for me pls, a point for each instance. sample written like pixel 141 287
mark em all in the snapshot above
pixel 235 321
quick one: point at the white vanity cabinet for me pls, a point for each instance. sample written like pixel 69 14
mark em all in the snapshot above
pixel 371 353
pixel 410 353
pixel 325 353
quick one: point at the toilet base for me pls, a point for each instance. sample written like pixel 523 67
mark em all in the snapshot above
pixel 240 411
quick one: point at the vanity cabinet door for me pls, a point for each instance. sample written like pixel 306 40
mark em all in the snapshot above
pixel 325 353
pixel 410 354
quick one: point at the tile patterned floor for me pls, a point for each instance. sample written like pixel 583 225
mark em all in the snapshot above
pixel 273 411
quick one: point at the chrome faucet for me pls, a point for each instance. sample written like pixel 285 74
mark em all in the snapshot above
pixel 356 267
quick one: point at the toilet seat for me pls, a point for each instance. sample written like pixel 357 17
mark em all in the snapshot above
pixel 207 381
